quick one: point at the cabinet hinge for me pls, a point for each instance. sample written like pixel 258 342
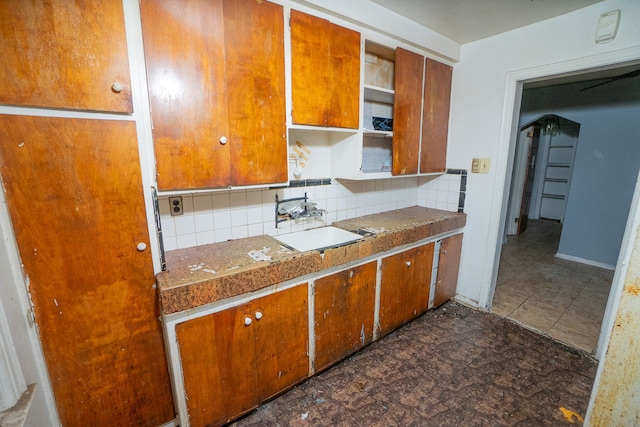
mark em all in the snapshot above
pixel 31 317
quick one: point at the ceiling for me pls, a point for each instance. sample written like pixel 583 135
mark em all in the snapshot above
pixel 465 21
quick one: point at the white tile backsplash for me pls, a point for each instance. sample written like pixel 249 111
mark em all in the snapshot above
pixel 234 214
pixel 185 224
pixel 204 221
pixel 202 203
pixel 442 192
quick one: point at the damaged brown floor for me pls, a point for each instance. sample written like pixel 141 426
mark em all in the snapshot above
pixel 453 366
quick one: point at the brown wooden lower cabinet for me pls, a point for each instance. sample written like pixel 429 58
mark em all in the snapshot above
pixel 344 309
pixel 405 286
pixel 236 358
pixel 448 264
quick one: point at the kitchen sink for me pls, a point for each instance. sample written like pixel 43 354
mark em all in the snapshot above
pixel 318 238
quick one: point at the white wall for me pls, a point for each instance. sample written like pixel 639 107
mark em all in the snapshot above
pixel 483 111
pixel 606 163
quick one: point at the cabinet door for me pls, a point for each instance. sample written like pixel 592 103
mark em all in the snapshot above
pixel 215 72
pixel 254 54
pixel 404 291
pixel 281 340
pixel 64 54
pixel 409 71
pixel 74 193
pixel 435 119
pixel 448 265
pixel 218 365
pixel 325 73
pixel 344 307
pixel 236 358
pixel 185 57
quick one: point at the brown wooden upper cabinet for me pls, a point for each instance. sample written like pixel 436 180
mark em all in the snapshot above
pixel 65 54
pixel 409 69
pixel 412 93
pixel 435 116
pixel 216 83
pixel 325 73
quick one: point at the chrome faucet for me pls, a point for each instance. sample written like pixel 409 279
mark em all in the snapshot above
pixel 306 210
pixel 295 208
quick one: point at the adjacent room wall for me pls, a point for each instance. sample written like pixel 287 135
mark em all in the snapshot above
pixel 606 163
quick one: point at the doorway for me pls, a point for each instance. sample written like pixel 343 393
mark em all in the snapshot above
pixel 559 297
pixel 563 299
pixel 543 165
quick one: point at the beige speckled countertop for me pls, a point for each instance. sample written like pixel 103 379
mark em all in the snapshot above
pixel 209 273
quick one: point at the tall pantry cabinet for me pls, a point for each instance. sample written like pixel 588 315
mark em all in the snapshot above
pixel 74 193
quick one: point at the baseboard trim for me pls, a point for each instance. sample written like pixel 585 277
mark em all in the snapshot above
pixel 585 261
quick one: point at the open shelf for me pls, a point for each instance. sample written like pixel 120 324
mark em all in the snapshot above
pixel 378 87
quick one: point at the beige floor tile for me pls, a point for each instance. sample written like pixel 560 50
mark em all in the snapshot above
pixel 563 298
pixel 528 283
pixel 539 318
pixel 574 334
pixel 505 302
pixel 554 298
pixel 586 313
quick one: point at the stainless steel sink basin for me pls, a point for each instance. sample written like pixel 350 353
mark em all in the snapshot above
pixel 318 238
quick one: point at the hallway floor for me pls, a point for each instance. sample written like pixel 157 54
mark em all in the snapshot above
pixel 453 366
pixel 563 299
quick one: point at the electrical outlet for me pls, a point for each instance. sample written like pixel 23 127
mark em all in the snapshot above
pixel 176 205
pixel 475 165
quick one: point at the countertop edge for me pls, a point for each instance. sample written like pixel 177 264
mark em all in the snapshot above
pixel 175 298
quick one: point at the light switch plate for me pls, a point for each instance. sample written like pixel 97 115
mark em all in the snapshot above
pixel 484 165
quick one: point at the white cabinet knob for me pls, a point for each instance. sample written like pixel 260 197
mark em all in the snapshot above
pixel 223 140
pixel 247 321
pixel 258 315
pixel 117 87
pixel 408 263
pixel 141 246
